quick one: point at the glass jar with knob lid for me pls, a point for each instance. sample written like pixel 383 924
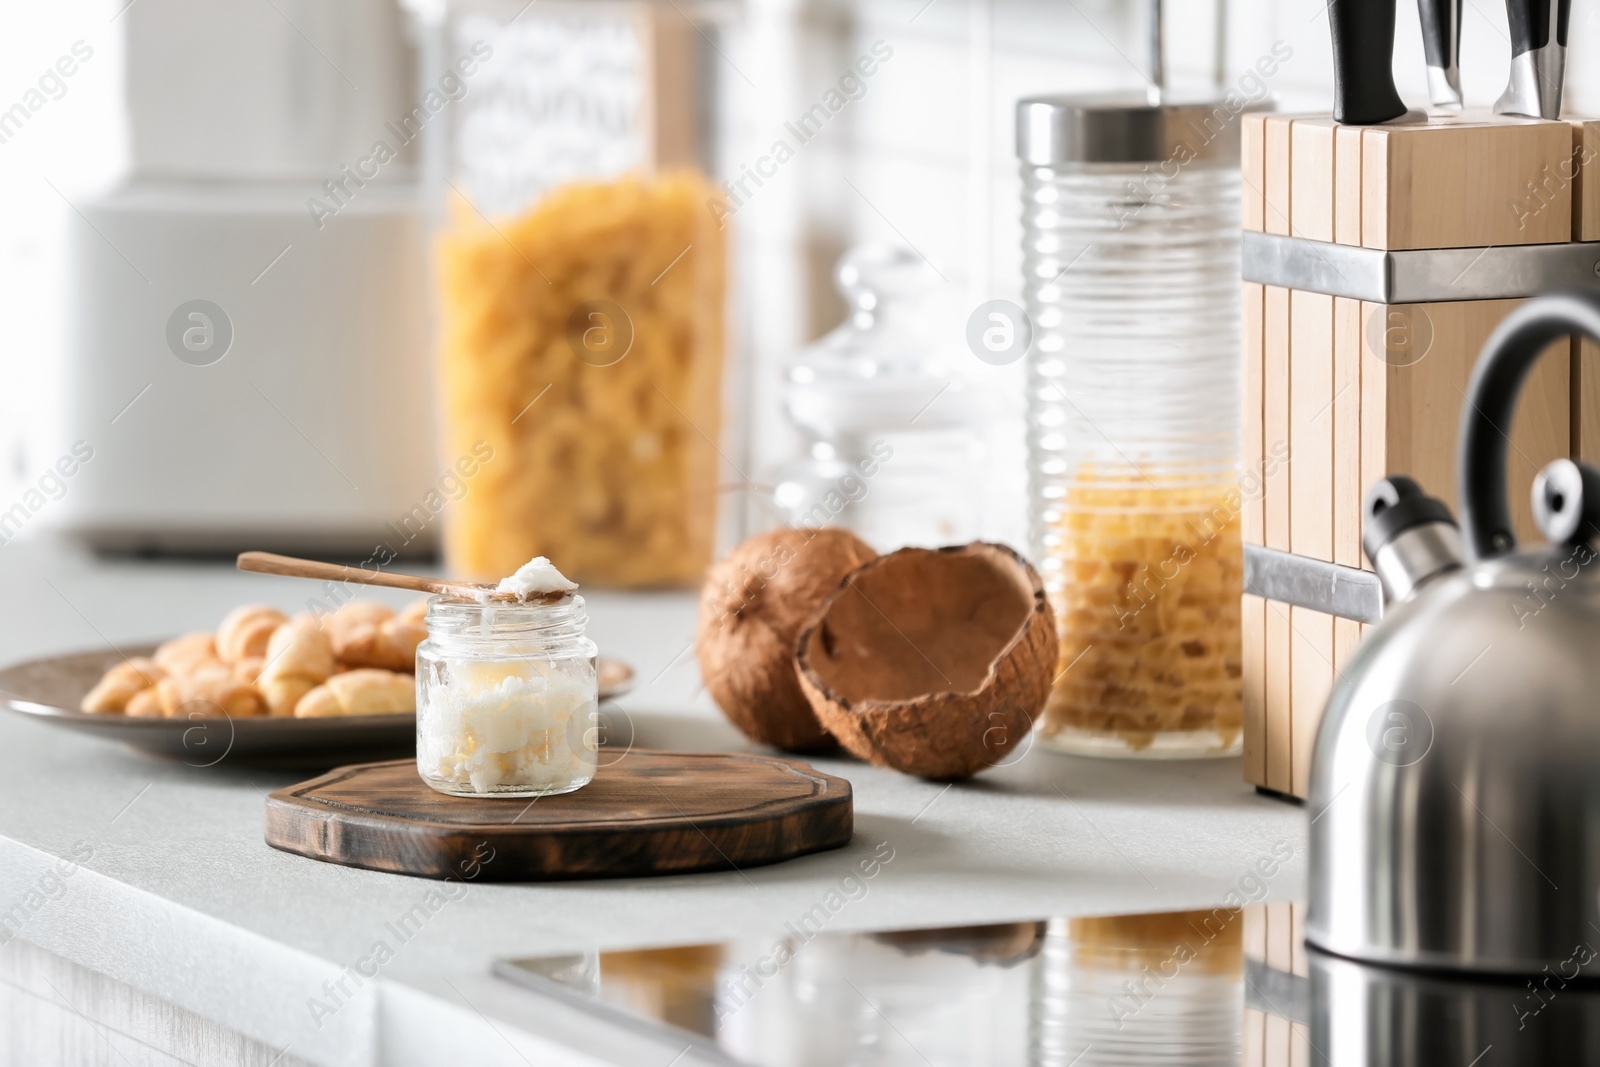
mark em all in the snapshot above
pixel 892 433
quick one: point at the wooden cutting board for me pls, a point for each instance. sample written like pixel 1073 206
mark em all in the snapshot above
pixel 647 813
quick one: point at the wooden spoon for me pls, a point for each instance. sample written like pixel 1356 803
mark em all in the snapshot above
pixel 290 566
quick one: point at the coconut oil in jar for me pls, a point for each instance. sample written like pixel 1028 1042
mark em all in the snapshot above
pixel 507 698
pixel 1131 274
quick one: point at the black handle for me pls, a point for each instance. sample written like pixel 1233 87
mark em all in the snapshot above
pixel 1363 58
pixel 1491 400
pixel 1531 25
pixel 1441 32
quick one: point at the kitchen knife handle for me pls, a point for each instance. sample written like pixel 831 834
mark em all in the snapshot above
pixel 1441 41
pixel 1441 32
pixel 1538 58
pixel 1531 25
pixel 1363 59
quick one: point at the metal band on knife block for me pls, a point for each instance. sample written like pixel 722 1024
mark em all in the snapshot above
pixel 1419 276
pixel 1331 588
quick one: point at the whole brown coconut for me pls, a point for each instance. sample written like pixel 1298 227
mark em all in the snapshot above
pixel 752 607
pixel 933 662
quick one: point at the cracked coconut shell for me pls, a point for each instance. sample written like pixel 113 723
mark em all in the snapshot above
pixel 752 607
pixel 935 662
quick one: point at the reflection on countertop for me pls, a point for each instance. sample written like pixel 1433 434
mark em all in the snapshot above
pixel 1221 986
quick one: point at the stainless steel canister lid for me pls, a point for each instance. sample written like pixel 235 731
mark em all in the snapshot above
pixel 1127 128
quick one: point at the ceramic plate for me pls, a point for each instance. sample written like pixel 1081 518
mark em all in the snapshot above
pixel 52 687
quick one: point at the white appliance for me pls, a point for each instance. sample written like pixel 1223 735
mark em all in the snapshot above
pixel 251 369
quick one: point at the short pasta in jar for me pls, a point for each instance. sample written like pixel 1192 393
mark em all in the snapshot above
pixel 1145 583
pixel 582 343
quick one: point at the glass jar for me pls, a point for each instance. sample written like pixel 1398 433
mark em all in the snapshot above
pixel 579 265
pixel 1131 275
pixel 507 699
pixel 892 435
pixel 1150 989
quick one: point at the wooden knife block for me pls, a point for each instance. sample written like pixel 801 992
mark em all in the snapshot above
pixel 1339 392
pixel 1275 937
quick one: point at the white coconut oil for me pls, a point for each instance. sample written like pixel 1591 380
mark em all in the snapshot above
pixel 507 699
pixel 536 577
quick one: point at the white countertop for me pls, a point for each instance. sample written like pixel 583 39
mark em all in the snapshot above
pixel 182 900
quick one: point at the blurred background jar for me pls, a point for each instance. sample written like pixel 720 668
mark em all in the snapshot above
pixel 580 278
pixel 1131 277
pixel 893 436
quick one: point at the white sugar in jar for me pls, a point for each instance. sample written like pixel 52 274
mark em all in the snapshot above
pixel 507 698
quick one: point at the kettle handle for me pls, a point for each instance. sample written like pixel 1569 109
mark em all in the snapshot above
pixel 1491 400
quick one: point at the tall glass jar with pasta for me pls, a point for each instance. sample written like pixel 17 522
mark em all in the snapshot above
pixel 1131 277
pixel 579 259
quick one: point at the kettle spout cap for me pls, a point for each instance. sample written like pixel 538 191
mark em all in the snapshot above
pixel 1408 535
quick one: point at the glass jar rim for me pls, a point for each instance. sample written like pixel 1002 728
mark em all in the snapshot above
pixel 452 617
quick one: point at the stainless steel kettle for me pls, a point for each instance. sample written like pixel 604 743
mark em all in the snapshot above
pixel 1455 783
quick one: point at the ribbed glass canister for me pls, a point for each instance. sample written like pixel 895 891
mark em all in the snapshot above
pixel 1131 275
pixel 1155 989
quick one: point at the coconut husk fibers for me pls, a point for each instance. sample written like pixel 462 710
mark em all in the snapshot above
pixel 752 607
pixel 935 662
